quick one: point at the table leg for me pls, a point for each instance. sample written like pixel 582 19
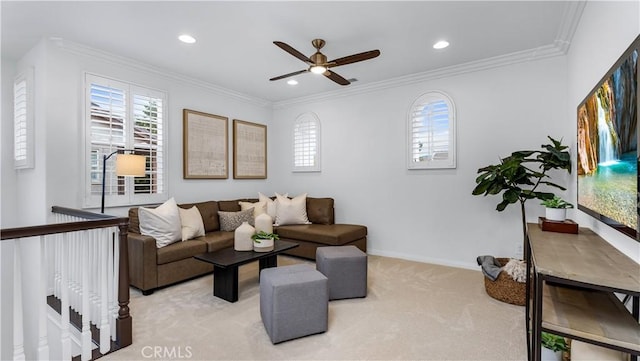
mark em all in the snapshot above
pixel 268 262
pixel 225 283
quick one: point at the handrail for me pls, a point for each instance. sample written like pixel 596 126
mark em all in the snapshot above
pixel 79 213
pixel 32 231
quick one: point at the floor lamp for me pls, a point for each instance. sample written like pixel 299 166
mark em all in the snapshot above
pixel 127 165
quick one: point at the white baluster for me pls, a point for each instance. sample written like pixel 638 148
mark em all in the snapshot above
pixel 65 338
pixel 43 345
pixel 18 329
pixel 84 310
pixel 105 334
pixel 116 275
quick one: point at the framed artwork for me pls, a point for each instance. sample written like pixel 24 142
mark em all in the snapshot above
pixel 205 144
pixel 249 150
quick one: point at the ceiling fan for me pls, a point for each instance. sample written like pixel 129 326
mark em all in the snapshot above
pixel 318 63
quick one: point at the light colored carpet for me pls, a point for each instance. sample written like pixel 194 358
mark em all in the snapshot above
pixel 413 311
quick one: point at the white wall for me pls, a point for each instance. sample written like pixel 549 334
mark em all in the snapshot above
pixel 605 31
pixel 60 69
pixel 430 215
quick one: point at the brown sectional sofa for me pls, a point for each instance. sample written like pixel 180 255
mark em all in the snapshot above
pixel 151 267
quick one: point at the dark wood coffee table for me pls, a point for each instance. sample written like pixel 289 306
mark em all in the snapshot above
pixel 227 260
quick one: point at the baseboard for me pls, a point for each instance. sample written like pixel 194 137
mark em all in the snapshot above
pixel 470 266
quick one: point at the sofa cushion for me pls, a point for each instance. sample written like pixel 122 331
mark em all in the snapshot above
pixel 134 221
pixel 258 207
pixel 291 211
pixel 229 221
pixel 161 223
pixel 180 250
pixel 234 205
pixel 209 212
pixel 192 225
pixel 331 234
pixel 217 240
pixel 320 210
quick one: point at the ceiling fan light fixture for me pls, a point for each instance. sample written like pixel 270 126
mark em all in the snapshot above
pixel 318 69
pixel 292 82
pixel 441 44
pixel 186 38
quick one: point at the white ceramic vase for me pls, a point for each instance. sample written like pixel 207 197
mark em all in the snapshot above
pixel 265 245
pixel 556 214
pixel 264 223
pixel 242 237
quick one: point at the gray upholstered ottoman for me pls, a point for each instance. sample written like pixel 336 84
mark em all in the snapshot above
pixel 294 302
pixel 346 269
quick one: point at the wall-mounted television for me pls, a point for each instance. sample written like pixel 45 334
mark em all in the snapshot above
pixel 607 165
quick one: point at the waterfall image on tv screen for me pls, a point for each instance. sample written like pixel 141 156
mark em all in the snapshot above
pixel 608 148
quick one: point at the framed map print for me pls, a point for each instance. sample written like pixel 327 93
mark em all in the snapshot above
pixel 249 150
pixel 205 144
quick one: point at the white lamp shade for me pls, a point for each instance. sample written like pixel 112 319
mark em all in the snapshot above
pixel 130 165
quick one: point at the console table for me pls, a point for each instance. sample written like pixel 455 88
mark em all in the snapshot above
pixel 573 278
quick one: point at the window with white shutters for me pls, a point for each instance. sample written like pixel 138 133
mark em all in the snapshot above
pixel 23 143
pixel 306 143
pixel 124 116
pixel 432 132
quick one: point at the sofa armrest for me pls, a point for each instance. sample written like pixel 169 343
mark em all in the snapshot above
pixel 143 268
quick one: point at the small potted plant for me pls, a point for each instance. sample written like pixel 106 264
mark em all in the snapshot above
pixel 553 347
pixel 264 241
pixel 556 208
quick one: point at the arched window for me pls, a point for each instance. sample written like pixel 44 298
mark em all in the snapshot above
pixel 306 143
pixel 431 128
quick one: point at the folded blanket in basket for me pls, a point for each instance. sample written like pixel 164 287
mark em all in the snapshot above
pixel 490 266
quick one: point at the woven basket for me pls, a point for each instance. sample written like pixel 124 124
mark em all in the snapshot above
pixel 504 288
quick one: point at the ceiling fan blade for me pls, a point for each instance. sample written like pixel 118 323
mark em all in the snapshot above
pixel 290 74
pixel 293 51
pixel 355 58
pixel 335 77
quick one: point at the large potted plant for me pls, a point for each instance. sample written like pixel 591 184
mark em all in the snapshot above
pixel 518 177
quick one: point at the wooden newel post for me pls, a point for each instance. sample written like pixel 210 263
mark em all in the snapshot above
pixel 124 324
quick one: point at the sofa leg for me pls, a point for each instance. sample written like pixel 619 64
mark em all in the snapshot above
pixel 147 292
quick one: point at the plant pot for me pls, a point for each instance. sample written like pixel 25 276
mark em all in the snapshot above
pixel 556 214
pixel 265 245
pixel 505 288
pixel 550 355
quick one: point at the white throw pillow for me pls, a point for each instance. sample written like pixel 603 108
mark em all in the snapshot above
pixel 258 207
pixel 162 223
pixel 292 211
pixel 192 225
pixel 271 204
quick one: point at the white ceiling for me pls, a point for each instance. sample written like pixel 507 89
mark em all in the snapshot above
pixel 235 47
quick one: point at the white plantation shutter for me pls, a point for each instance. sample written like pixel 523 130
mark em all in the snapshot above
pixel 432 132
pixel 148 141
pixel 124 116
pixel 306 143
pixel 23 145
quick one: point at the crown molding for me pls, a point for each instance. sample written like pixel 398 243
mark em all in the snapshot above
pixel 84 50
pixel 570 20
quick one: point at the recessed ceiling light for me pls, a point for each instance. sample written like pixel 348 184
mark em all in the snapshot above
pixel 292 82
pixel 441 44
pixel 185 38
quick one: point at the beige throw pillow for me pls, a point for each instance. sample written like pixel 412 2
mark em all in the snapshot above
pixel 258 207
pixel 271 204
pixel 192 224
pixel 161 223
pixel 291 211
